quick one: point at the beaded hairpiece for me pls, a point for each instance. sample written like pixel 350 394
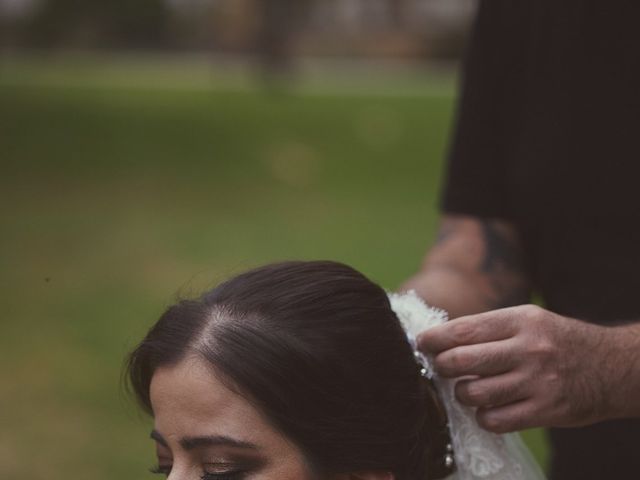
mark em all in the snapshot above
pixel 415 317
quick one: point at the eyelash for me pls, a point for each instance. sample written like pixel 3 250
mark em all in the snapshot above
pixel 232 475
pixel 236 475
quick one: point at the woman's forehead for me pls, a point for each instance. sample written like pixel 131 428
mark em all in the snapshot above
pixel 189 399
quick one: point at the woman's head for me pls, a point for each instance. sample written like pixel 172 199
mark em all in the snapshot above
pixel 304 360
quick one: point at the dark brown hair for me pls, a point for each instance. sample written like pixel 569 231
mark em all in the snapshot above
pixel 316 347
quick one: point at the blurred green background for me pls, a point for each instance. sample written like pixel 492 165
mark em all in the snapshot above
pixel 118 195
pixel 149 151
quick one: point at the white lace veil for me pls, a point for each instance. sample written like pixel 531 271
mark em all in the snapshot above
pixel 478 454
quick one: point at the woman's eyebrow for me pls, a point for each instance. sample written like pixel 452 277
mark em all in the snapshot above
pixel 155 435
pixel 189 443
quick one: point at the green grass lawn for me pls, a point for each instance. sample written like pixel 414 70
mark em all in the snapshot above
pixel 117 196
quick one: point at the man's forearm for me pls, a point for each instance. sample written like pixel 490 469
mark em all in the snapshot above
pixel 456 291
pixel 623 367
pixel 474 266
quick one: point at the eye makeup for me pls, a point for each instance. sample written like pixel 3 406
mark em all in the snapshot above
pixel 234 470
pixel 231 475
pixel 220 457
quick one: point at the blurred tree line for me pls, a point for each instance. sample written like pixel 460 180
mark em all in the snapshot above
pixel 274 29
pixel 99 23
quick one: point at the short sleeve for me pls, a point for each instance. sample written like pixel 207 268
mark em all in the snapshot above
pixel 476 173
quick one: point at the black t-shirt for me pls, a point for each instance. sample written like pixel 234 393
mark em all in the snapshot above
pixel 548 138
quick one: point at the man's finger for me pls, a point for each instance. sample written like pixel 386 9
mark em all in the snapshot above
pixel 491 391
pixel 508 418
pixel 481 328
pixel 484 359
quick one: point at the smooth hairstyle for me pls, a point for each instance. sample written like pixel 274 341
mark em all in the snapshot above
pixel 316 347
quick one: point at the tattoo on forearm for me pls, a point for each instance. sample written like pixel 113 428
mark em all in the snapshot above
pixel 501 252
pixel 445 232
pixel 503 263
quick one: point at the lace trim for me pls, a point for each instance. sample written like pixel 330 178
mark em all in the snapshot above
pixel 479 454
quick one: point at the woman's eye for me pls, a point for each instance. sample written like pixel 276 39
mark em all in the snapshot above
pixel 237 475
pixel 161 470
pixel 224 474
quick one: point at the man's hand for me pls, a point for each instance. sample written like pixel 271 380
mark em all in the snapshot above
pixel 528 367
